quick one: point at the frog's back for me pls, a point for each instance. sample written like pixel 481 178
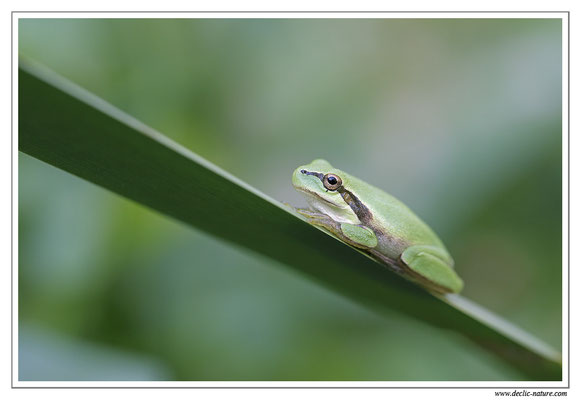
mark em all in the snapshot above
pixel 401 222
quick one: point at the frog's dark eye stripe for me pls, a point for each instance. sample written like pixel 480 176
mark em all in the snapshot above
pixel 356 205
pixel 317 174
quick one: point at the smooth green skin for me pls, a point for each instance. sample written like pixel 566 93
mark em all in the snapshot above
pixel 390 231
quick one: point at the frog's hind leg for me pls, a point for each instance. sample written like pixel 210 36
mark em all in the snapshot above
pixel 356 235
pixel 432 267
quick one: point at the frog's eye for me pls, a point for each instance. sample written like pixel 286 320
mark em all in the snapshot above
pixel 332 182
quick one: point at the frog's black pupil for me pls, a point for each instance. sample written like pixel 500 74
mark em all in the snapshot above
pixel 332 180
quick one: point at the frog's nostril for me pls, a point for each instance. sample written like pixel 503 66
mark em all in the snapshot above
pixel 303 171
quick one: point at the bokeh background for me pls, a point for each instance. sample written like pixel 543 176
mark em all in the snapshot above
pixel 459 118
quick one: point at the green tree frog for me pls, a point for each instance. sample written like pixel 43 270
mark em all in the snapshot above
pixel 370 219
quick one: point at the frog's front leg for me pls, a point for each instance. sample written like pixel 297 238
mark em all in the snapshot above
pixel 431 266
pixel 356 235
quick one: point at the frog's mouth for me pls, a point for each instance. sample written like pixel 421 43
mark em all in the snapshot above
pixel 314 194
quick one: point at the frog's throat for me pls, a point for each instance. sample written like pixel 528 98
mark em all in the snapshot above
pixel 338 212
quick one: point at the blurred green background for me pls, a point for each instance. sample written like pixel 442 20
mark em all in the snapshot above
pixel 459 118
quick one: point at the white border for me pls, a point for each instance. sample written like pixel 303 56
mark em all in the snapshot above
pixel 507 385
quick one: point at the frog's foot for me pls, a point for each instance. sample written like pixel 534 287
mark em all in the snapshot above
pixel 431 267
pixel 356 235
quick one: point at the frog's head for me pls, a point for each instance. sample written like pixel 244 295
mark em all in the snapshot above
pixel 321 184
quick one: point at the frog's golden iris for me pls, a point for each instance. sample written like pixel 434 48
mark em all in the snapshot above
pixel 332 182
